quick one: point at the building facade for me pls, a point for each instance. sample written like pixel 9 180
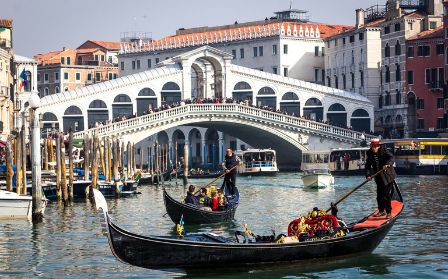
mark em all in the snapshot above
pixel 6 78
pixel 286 45
pixel 68 69
pixel 111 50
pixel 425 79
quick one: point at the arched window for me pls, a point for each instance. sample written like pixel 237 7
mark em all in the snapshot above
pixel 290 103
pixel 387 100
pixel 387 50
pixel 337 115
pixel 397 97
pixel 170 93
pixel 242 92
pixel 397 48
pixel 266 91
pixel 380 101
pixel 73 110
pixel 397 72
pixel 146 100
pixel 98 104
pixel 242 85
pixel 290 96
pixel 73 119
pixel 147 92
pixel 170 86
pixel 46 91
pixel 360 121
pixel 122 106
pixel 97 113
pixel 50 123
pixel 313 109
pixel 313 102
pixel 266 97
pixel 336 107
pixel 122 98
pixel 398 119
pixel 387 74
pixel 56 89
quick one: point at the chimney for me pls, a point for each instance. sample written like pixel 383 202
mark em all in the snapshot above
pixel 360 15
pixel 63 48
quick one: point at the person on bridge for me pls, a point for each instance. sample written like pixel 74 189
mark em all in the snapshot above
pixel 379 158
pixel 231 161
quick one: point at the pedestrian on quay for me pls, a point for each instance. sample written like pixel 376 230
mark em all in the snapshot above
pixel 379 158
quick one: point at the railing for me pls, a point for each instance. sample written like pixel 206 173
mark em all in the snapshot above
pixel 235 110
pixel 436 85
pixel 258 164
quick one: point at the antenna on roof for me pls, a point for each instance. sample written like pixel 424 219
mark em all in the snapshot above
pixel 290 4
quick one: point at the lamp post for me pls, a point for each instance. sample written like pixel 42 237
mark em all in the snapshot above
pixel 34 102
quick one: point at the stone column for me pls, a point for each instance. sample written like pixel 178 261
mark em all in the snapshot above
pixel 186 79
pixel 221 147
pixel 204 152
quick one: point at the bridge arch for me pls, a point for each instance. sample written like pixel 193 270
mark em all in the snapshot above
pixel 337 115
pixel 360 121
pixel 195 145
pixel 146 100
pixel 211 149
pixel 170 93
pixel 242 91
pixel 122 106
pixel 97 113
pixel 267 97
pixel 290 103
pixel 50 123
pixel 313 109
pixel 73 119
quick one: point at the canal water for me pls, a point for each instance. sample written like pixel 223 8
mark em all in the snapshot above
pixel 69 242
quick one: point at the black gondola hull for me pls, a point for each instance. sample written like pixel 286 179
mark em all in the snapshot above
pixel 194 215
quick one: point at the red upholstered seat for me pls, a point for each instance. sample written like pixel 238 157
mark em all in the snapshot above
pixel 373 222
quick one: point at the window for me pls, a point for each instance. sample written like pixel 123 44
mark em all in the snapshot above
pixel 157 60
pixel 387 74
pixel 397 72
pixel 316 51
pixel 410 52
pixel 274 49
pixel 410 77
pixel 149 63
pixel 38 77
pixel 255 51
pixel 420 123
pixel 336 82
pixel 56 76
pixel 241 53
pixel 323 51
pixel 323 77
pixel 343 41
pixel 420 104
pixel 316 75
pixel 285 49
pixel 96 57
pixel 352 38
pixel 46 77
pixel 110 76
pixel 260 50
pixel 274 70
pixel 138 64
pixel 78 76
pixel 380 102
pixel 122 65
pixel 397 48
pixel 440 49
pixel 133 65
pixel 387 50
pixel 439 124
pixel 233 53
pixel 285 71
pixel 328 81
pixel 410 26
pixel 387 101
pixel 335 42
pixel 98 76
pixel 344 82
pixel 46 91
pixel 353 79
pixel 62 60
pixel 65 76
pixel 56 89
pixel 361 36
pixel 397 27
pixel 68 60
pixel 423 51
pixel 387 29
pixel 398 97
pixel 102 58
pixel 440 103
pixel 432 25
pixel 89 77
pixel 427 76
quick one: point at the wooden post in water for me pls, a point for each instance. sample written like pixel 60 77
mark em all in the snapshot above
pixel 185 178
pixel 134 166
pixel 70 166
pixel 175 160
pixel 152 163
pixel 167 157
pixel 141 158
pixel 9 162
pixel 18 160
pixel 63 172
pixel 122 160
pixel 116 149
pixel 86 146
pixel 58 167
pixel 95 162
pixel 102 161
pixel 24 153
pixel 45 154
pixel 50 152
pixel 109 159
pixel 149 159
pixel 156 166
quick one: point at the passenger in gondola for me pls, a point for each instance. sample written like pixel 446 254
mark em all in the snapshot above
pixel 222 200
pixel 215 201
pixel 379 158
pixel 191 198
pixel 204 200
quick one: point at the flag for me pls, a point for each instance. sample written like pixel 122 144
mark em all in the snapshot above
pixel 24 81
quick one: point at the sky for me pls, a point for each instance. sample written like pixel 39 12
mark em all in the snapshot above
pixel 40 26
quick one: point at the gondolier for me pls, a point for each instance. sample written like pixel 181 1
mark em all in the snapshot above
pixel 378 158
pixel 229 164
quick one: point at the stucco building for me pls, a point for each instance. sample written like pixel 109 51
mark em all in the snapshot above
pixel 6 77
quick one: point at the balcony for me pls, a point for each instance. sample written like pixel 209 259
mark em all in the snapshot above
pixel 5 44
pixel 435 85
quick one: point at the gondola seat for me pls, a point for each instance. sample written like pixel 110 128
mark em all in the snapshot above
pixel 374 222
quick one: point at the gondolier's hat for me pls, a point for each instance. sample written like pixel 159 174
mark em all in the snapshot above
pixel 375 141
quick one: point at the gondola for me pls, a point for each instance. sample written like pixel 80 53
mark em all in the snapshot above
pixel 210 250
pixel 194 215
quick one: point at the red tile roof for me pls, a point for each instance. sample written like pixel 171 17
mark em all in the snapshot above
pixel 293 29
pixel 109 45
pixel 429 34
pixel 6 23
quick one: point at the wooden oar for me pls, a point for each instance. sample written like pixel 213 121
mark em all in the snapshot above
pixel 214 179
pixel 356 188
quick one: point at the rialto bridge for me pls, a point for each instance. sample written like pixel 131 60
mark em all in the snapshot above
pixel 208 73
